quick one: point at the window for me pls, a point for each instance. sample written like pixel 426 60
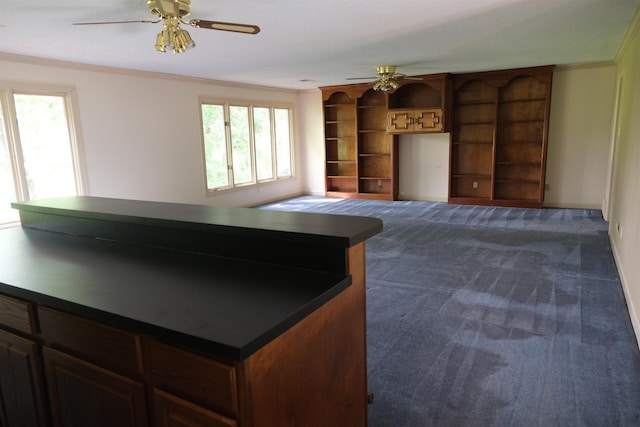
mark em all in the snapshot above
pixel 38 150
pixel 245 144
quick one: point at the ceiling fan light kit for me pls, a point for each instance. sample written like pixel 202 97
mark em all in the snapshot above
pixel 385 85
pixel 172 14
pixel 173 38
pixel 387 78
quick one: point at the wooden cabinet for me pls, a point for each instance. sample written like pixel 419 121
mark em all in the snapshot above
pixel 420 106
pixel 21 390
pixel 83 394
pixel 201 380
pixel 499 137
pixel 377 150
pixel 362 128
pixel 22 400
pixel 415 121
pixel 341 144
pixel 361 157
pixel 171 411
pixel 175 337
pixel 94 372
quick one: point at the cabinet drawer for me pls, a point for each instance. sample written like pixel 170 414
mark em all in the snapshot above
pixel 101 344
pixel 204 381
pixel 17 314
pixel 167 409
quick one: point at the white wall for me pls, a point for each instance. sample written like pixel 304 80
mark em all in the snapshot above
pixel 311 131
pixel 579 135
pixel 424 167
pixel 141 131
pixel 624 225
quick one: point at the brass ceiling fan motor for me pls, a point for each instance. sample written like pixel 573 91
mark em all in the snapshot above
pixel 172 13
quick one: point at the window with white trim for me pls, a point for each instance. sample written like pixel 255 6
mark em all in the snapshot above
pixel 245 144
pixel 39 156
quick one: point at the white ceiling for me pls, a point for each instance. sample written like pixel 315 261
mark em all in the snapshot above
pixel 309 43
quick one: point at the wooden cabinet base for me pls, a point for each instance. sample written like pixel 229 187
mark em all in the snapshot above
pixel 83 394
pixel 171 411
pixel 21 399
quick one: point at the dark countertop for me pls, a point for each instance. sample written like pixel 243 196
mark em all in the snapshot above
pixel 225 306
pixel 292 227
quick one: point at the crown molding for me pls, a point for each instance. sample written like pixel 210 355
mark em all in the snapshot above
pixel 629 35
pixel 586 65
pixel 33 60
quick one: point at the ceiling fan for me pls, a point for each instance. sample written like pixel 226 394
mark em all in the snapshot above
pixel 387 77
pixel 172 13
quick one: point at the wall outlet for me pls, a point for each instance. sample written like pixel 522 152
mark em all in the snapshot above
pixel 475 184
pixel 379 183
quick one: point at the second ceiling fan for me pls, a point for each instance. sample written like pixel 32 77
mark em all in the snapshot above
pixel 387 78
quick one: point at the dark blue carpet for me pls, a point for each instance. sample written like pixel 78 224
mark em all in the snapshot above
pixel 485 316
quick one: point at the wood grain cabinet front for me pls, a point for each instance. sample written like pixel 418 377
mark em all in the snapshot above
pixel 113 348
pixel 415 121
pixel 499 137
pixel 17 315
pixel 171 411
pixel 83 394
pixel 21 386
pixel 202 380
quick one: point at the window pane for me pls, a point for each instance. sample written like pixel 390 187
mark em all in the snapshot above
pixel 283 142
pixel 46 147
pixel 240 146
pixel 262 137
pixel 215 147
pixel 7 189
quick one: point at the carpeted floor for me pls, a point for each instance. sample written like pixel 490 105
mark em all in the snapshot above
pixel 482 316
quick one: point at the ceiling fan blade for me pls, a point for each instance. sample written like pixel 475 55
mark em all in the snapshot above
pixel 142 21
pixel 225 26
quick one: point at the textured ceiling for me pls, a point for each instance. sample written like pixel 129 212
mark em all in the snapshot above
pixel 309 43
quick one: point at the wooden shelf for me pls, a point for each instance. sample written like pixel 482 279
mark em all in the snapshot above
pixel 356 128
pixel 499 137
pixel 471 142
pixel 472 176
pixel 371 170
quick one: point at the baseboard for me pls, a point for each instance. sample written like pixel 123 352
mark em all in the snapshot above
pixel 273 200
pixel 408 197
pixel 558 205
pixel 633 313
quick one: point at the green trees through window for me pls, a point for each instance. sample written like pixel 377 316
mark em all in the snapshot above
pixel 245 144
pixel 36 150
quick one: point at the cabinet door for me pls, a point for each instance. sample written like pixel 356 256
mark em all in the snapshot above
pixel 171 411
pixel 415 121
pixel 21 401
pixel 400 121
pixel 83 394
pixel 427 120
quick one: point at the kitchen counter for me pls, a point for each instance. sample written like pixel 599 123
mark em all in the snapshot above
pixel 146 312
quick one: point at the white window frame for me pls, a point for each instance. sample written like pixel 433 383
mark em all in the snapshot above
pixel 7 91
pixel 250 105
